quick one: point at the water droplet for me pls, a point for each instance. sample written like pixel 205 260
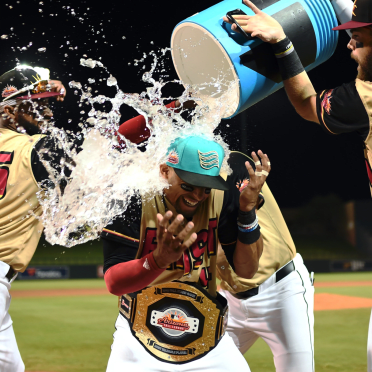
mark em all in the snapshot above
pixel 41 50
pixel 91 81
pixel 111 81
pixel 4 37
pixel 124 37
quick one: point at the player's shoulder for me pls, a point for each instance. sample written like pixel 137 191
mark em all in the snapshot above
pixel 126 227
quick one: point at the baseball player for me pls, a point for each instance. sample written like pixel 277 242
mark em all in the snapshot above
pixel 160 258
pixel 277 304
pixel 23 107
pixel 344 109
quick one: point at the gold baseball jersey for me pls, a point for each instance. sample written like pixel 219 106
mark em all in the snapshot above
pixel 278 248
pixel 20 229
pixel 133 235
pixel 348 108
pixel 198 263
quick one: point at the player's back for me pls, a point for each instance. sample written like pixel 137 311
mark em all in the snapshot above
pixel 20 230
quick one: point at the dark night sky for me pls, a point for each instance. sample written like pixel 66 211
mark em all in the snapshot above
pixel 306 161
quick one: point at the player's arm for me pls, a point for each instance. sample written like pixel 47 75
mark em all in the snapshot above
pixel 239 231
pixel 124 273
pixel 297 84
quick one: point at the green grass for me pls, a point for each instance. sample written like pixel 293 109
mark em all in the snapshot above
pixel 74 334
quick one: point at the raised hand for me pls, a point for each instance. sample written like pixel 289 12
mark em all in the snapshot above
pixel 260 25
pixel 57 86
pixel 170 247
pixel 249 194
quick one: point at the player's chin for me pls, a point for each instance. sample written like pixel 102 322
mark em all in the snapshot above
pixel 186 209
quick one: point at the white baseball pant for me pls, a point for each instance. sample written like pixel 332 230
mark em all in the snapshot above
pixel 282 314
pixel 127 354
pixel 369 346
pixel 10 358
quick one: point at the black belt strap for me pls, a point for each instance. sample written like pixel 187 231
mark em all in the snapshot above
pixel 280 274
pixel 10 274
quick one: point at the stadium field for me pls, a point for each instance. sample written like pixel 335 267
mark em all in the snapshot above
pixel 67 325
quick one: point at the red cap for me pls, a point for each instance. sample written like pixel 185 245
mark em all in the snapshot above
pixel 40 95
pixel 362 16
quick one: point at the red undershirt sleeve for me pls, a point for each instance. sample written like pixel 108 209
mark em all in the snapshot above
pixel 135 129
pixel 132 276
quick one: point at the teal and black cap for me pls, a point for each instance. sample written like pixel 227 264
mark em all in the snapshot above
pixel 197 161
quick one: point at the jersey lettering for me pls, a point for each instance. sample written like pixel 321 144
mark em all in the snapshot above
pixel 205 276
pixel 193 257
pixel 5 158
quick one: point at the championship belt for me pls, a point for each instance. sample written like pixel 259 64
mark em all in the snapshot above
pixel 176 322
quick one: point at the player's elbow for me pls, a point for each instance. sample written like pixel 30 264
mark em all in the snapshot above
pixel 307 109
pixel 112 285
pixel 247 272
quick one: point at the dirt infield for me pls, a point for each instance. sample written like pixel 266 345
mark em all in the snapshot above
pixel 364 283
pixel 322 301
pixel 59 292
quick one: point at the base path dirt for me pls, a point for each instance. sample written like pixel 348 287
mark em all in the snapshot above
pixel 365 283
pixel 59 292
pixel 330 301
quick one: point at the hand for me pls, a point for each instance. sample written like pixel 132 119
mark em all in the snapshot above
pixel 57 86
pixel 249 195
pixel 170 248
pixel 260 25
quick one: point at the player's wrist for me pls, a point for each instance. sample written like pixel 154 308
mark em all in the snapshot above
pixel 159 260
pixel 248 227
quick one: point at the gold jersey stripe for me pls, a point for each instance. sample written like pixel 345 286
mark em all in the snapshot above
pixel 121 235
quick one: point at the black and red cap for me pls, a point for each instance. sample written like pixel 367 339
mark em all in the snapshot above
pixel 25 82
pixel 361 16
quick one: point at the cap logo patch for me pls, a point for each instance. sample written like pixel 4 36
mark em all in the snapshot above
pixel 9 90
pixel 173 157
pixel 354 7
pixel 208 160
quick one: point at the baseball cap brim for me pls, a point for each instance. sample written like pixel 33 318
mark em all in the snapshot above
pixel 40 95
pixel 200 180
pixel 351 25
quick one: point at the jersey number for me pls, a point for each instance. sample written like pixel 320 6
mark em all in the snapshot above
pixel 5 158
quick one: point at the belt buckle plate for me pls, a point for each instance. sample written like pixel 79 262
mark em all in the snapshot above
pixel 176 322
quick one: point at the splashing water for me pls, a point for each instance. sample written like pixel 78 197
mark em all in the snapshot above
pixel 104 179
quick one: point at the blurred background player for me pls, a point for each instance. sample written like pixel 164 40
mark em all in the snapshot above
pixel 143 248
pixel 24 107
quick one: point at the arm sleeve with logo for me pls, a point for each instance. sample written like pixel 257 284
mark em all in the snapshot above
pixel 227 226
pixel 341 110
pixel 124 273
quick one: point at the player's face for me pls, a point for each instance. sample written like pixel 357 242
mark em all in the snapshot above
pixel 361 51
pixel 31 116
pixel 184 197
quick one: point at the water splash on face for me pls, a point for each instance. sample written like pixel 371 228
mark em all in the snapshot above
pixel 110 170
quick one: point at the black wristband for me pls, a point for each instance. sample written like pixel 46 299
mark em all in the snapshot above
pixel 289 63
pixel 250 237
pixel 246 218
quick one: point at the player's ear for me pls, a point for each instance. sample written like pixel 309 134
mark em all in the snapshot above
pixel 164 171
pixel 9 111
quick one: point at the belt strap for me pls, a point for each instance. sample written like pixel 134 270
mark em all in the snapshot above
pixel 10 274
pixel 280 274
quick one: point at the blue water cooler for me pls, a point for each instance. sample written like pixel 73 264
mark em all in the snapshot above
pixel 206 51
